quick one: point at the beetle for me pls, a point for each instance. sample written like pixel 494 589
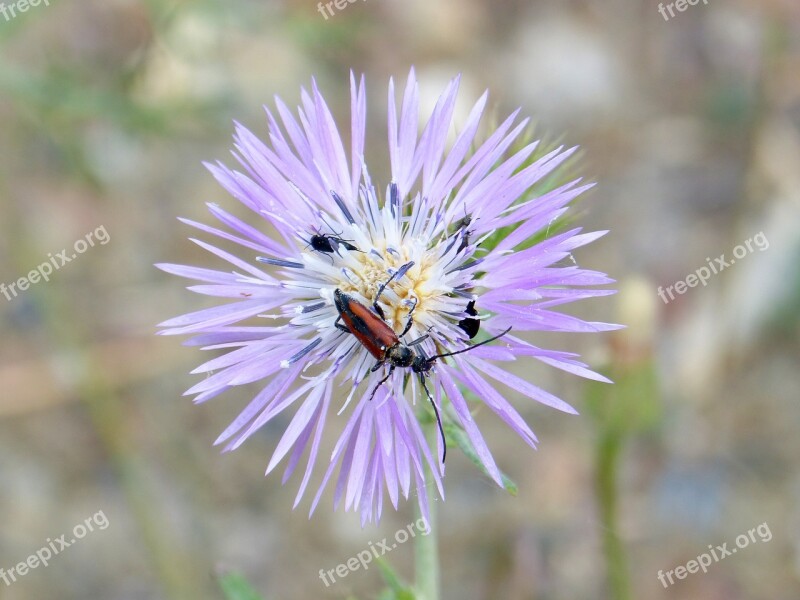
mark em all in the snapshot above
pixel 373 332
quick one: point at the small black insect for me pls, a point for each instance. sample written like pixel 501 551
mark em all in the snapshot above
pixel 328 243
pixel 470 324
pixel 464 223
pixel 462 227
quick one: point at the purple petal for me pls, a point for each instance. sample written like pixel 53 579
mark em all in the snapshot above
pixel 522 386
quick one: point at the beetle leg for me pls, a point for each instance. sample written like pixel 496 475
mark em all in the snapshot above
pixel 382 381
pixel 378 309
pixel 339 326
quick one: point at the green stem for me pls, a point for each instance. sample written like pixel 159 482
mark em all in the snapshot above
pixel 426 552
pixel 607 460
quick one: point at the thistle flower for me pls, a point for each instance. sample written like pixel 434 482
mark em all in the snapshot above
pixel 448 237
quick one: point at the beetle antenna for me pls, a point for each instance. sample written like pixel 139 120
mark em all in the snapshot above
pixel 398 274
pixel 491 339
pixel 438 418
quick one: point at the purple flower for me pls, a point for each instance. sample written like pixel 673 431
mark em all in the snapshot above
pixel 451 233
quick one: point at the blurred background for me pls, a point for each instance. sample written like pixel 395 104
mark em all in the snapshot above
pixel 689 124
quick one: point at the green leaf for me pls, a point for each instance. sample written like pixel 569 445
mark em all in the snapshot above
pixel 236 587
pixel 455 433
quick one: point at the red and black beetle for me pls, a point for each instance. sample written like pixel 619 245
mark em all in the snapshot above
pixel 380 340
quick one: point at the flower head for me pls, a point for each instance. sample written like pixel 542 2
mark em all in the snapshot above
pixel 443 251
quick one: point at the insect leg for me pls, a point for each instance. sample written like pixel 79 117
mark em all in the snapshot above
pixel 381 382
pixel 339 326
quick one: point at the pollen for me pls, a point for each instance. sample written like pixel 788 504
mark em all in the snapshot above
pixel 373 269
